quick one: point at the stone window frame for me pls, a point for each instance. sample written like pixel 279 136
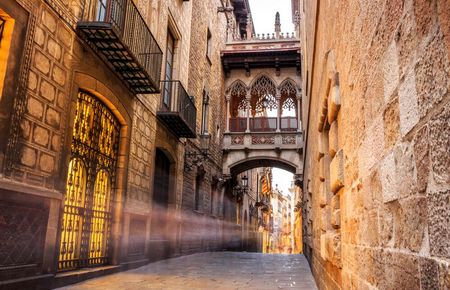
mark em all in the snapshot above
pixel 209 45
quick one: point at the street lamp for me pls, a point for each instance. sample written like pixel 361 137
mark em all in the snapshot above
pixel 244 181
pixel 240 189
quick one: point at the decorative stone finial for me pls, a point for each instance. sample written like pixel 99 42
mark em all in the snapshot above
pixel 277 24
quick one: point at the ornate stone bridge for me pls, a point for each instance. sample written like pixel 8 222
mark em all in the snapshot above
pixel 263 104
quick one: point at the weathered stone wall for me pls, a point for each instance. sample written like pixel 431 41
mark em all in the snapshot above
pixel 376 112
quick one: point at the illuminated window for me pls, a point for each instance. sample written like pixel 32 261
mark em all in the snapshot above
pixel 6 32
pixel 86 221
pixel 2 27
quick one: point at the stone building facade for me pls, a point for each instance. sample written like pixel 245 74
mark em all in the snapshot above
pixel 94 163
pixel 376 111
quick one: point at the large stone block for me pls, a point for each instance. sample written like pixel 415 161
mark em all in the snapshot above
pixel 41 62
pixel 439 223
pixel 410 223
pixel 336 219
pixel 407 42
pixel 388 178
pixel 425 16
pixel 405 169
pixel 432 75
pixel 65 35
pixel 333 145
pixel 47 91
pixel 35 108
pixel 429 274
pixel 49 20
pixel 322 194
pixel 334 249
pixel 324 246
pixel 390 71
pixel 54 49
pixel 337 171
pixel 334 100
pixel 439 138
pixel 386 225
pixel 56 142
pixel 28 157
pixel 422 159
pixel 444 21
pixel 41 136
pixel 407 99
pixel 371 149
pixel 401 271
pixel 391 122
pixel 25 126
pixel 59 76
pixel 46 163
pixel 53 117
pixel 39 36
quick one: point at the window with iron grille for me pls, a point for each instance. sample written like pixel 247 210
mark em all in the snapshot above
pixel 86 222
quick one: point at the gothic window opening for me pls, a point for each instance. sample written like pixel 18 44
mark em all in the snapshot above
pixel 289 110
pixel 263 100
pixel 239 104
pixel 86 224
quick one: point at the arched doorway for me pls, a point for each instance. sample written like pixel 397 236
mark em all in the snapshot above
pixel 86 223
pixel 160 205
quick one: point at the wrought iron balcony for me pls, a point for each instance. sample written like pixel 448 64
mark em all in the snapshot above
pixel 117 31
pixel 177 109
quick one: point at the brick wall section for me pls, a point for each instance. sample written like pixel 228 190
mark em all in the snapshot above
pixel 393 63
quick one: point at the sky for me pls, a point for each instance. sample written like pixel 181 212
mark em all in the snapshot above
pixel 263 12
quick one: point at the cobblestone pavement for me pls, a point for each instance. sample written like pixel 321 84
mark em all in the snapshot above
pixel 219 270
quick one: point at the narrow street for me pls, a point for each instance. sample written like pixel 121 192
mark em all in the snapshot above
pixel 219 270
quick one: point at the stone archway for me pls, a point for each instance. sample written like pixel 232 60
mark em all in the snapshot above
pixel 236 162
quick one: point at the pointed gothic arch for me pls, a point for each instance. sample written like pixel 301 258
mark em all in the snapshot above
pixel 238 92
pixel 263 93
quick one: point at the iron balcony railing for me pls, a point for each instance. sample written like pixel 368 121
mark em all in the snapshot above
pixel 117 30
pixel 178 109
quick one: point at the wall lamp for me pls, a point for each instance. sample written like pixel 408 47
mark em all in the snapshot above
pixel 196 158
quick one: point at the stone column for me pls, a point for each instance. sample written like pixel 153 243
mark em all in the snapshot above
pixel 228 114
pixel 248 109
pixel 278 97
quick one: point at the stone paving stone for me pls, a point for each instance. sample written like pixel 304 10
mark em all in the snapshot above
pixel 217 270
